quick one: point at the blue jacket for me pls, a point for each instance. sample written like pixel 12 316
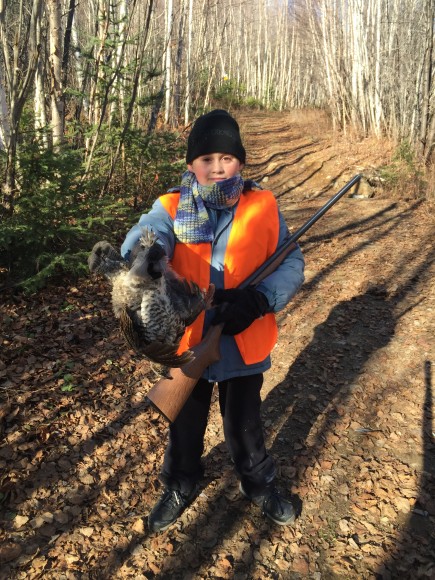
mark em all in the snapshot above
pixel 279 287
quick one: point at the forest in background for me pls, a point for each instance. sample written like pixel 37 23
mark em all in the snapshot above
pixel 95 97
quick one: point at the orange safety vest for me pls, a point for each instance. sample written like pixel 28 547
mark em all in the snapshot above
pixel 253 238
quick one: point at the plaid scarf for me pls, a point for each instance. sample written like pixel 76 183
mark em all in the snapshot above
pixel 192 225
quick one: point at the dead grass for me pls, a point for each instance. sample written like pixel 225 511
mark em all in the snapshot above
pixel 318 121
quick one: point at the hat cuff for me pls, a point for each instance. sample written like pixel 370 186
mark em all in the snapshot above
pixel 219 144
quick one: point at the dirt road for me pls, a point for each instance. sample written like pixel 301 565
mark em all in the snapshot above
pixel 348 405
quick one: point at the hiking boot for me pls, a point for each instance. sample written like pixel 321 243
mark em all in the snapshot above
pixel 275 507
pixel 169 508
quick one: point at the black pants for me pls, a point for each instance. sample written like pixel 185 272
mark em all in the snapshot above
pixel 239 401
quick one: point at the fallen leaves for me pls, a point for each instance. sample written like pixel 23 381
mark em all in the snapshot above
pixel 139 526
pixel 9 551
pixel 346 418
pixel 86 531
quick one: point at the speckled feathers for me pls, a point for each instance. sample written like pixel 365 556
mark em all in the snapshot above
pixel 153 304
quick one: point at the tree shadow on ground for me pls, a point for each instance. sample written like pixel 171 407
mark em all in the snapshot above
pixel 407 561
pixel 304 409
pixel 323 375
pixel 319 381
pixel 303 412
pixel 326 369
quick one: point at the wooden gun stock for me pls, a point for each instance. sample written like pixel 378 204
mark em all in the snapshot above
pixel 169 395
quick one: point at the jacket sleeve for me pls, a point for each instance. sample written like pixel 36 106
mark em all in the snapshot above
pixel 280 286
pixel 160 222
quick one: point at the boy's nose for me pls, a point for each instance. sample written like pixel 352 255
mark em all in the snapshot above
pixel 217 166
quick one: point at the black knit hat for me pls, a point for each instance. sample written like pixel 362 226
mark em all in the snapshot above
pixel 215 132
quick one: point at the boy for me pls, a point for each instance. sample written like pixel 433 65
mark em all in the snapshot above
pixel 216 228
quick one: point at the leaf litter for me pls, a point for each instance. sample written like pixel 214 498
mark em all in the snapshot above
pixel 348 407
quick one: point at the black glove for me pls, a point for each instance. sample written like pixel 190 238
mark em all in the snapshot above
pixel 239 308
pixel 155 254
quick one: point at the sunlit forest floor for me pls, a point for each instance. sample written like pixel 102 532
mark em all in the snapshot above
pixel 348 404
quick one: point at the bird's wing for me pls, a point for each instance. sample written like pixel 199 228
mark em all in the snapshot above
pixel 188 299
pixel 155 351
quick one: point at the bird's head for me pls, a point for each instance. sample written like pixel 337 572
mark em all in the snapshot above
pixel 148 259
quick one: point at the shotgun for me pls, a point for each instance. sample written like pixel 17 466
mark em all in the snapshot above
pixel 169 395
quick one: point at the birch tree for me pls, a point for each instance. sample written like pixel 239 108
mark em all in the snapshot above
pixel 188 64
pixel 427 127
pixel 39 91
pixel 368 62
pixel 168 57
pixel 120 33
pixel 177 84
pixel 55 60
pixel 18 61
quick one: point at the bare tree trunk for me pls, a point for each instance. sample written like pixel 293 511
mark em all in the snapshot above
pixel 430 141
pixel 67 42
pixel 82 102
pixel 102 31
pixel 377 87
pixel 168 60
pixel 39 95
pixel 213 68
pixel 102 86
pixel 56 89
pixel 5 129
pixel 139 64
pixel 17 80
pixel 178 65
pixel 118 90
pixel 425 145
pixel 188 64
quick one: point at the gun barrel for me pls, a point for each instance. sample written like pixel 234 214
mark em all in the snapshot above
pixel 255 277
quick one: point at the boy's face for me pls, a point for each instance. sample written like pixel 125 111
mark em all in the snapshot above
pixel 215 167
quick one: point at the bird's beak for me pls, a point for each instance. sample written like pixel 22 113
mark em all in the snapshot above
pixel 139 268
